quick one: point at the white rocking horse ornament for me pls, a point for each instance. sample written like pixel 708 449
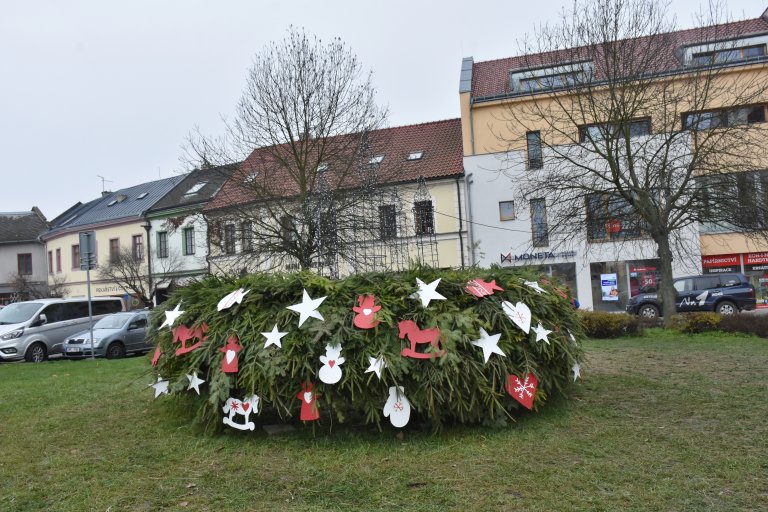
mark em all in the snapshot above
pixel 244 408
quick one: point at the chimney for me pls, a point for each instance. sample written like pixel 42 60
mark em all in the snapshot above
pixel 105 193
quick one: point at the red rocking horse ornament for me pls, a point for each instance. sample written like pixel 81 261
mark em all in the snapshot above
pixel 420 336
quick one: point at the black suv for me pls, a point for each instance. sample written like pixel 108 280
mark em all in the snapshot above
pixel 726 294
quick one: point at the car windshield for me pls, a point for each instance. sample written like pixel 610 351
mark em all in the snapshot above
pixel 18 312
pixel 112 321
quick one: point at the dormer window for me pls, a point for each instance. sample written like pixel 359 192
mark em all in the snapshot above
pixel 195 188
pixel 142 195
pixel 251 178
pixel 555 81
pixel 322 168
pixel 728 55
pixel 415 155
pixel 376 159
pixel 551 77
pixel 112 203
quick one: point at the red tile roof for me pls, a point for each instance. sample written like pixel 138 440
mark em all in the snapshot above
pixel 491 78
pixel 439 140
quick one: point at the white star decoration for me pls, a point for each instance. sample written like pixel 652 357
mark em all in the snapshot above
pixel 308 308
pixel 427 292
pixel 535 286
pixel 376 366
pixel 576 371
pixel 489 344
pixel 541 333
pixel 274 337
pixel 161 386
pixel 172 316
pixel 194 382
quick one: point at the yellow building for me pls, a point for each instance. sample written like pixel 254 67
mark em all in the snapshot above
pixel 405 202
pixel 116 219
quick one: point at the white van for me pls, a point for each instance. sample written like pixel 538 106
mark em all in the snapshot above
pixel 35 329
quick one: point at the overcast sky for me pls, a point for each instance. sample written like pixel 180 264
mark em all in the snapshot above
pixel 111 88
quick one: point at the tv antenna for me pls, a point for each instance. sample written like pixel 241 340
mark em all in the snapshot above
pixel 103 181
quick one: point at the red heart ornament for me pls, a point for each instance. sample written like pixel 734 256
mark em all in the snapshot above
pixel 246 406
pixel 523 391
pixel 331 362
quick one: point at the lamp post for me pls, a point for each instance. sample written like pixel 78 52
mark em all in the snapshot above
pixel 148 228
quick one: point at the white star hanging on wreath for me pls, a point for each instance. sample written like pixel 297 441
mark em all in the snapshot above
pixel 194 382
pixel 376 366
pixel 541 333
pixel 161 386
pixel 274 337
pixel 489 344
pixel 172 316
pixel 308 308
pixel 535 286
pixel 576 371
pixel 427 292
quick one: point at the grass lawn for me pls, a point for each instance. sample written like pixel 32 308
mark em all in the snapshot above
pixel 659 422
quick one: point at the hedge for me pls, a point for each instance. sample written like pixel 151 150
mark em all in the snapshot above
pixel 458 387
pixel 598 324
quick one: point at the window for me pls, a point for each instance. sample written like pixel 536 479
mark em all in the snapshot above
pixel 142 195
pixel 377 159
pixel 188 234
pixel 50 262
pixel 24 261
pixel 114 249
pixel 415 155
pixel 287 229
pixel 387 222
pixel 553 81
pixel 137 246
pixel 506 210
pixel 195 188
pixel 535 160
pixel 162 244
pixel 539 228
pixel 610 218
pixel 424 217
pixel 683 285
pixel 728 55
pixel 58 260
pixel 75 256
pixel 724 117
pixel 229 238
pixel 613 130
pixel 246 236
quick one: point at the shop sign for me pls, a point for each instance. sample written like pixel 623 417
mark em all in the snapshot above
pixel 756 258
pixel 533 256
pixel 720 263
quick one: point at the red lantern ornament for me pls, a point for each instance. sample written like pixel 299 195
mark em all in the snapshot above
pixel 309 409
pixel 523 391
pixel 365 319
pixel 229 363
pixel 480 288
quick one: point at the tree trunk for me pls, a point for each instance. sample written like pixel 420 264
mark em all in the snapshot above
pixel 667 293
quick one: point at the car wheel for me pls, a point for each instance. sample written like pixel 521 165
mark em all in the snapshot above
pixel 36 353
pixel 648 311
pixel 727 308
pixel 115 350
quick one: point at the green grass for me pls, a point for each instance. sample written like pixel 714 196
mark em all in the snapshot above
pixel 662 422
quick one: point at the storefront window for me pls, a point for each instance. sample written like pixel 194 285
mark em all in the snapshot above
pixel 614 282
pixel 756 270
pixel 563 275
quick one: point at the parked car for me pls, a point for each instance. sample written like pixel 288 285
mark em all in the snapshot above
pixel 113 337
pixel 726 294
pixel 33 330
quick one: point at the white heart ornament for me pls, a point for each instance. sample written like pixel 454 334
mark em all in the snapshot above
pixel 520 314
pixel 230 356
pixel 367 311
pixel 308 397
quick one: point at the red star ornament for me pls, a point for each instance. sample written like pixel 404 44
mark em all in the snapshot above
pixel 523 391
pixel 309 409
pixel 229 363
pixel 480 288
pixel 365 319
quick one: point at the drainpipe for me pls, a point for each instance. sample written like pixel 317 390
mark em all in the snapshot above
pixel 470 241
pixel 148 228
pixel 461 226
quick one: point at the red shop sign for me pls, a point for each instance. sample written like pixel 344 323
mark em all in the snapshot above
pixel 720 260
pixel 756 258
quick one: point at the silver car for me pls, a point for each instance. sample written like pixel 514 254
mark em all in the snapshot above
pixel 113 337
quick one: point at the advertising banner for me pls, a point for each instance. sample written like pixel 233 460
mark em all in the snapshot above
pixel 720 263
pixel 609 284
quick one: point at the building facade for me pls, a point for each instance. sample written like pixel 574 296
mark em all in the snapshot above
pixel 23 264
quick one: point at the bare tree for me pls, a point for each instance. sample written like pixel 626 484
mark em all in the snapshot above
pixel 641 131
pixel 132 273
pixel 308 190
pixel 26 289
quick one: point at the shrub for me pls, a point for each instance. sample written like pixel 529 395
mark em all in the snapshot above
pixel 599 324
pixel 696 322
pixel 458 387
pixel 755 324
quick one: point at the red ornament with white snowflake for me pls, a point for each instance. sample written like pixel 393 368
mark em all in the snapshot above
pixel 229 363
pixel 309 408
pixel 364 319
pixel 523 391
